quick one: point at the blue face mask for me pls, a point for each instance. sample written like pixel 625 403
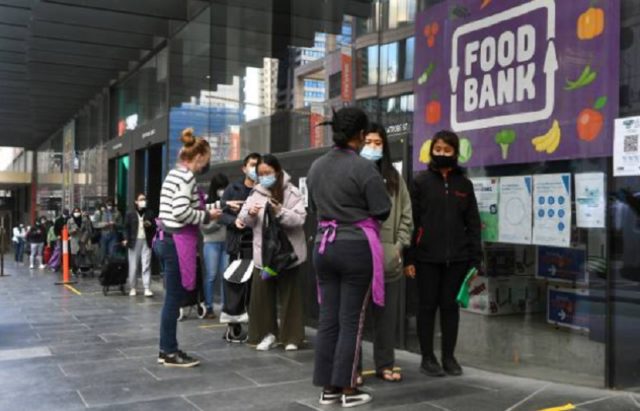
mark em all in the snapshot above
pixel 268 181
pixel 370 153
pixel 251 174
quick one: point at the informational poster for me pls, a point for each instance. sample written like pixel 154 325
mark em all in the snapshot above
pixel 302 186
pixel 520 81
pixel 569 308
pixel 562 264
pixel 626 147
pixel 590 200
pixel 514 210
pixel 486 190
pixel 552 209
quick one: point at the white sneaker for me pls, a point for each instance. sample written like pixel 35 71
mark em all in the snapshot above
pixel 148 293
pixel 267 343
pixel 31 267
pixel 291 347
pixel 42 266
pixel 132 293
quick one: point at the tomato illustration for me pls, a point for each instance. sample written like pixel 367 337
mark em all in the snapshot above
pixel 589 124
pixel 433 112
pixel 590 121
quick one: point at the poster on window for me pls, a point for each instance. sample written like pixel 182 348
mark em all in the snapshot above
pixel 486 191
pixel 519 81
pixel 569 308
pixel 552 210
pixel 626 147
pixel 590 200
pixel 514 210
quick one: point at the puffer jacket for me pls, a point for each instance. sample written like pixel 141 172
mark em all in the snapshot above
pixel 291 217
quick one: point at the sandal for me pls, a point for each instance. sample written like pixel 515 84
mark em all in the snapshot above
pixel 389 375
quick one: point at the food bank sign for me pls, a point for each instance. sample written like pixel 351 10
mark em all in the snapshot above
pixel 502 74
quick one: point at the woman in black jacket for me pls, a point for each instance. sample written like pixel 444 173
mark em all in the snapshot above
pixel 445 246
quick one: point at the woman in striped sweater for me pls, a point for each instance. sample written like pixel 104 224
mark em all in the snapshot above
pixel 182 210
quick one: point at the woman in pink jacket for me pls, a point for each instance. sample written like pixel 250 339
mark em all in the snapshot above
pixel 288 205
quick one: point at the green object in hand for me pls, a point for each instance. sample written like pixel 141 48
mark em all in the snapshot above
pixel 463 294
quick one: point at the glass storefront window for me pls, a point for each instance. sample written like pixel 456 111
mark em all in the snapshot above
pixel 141 97
pixel 397 13
pixel 367 66
pixel 389 63
pixel 409 51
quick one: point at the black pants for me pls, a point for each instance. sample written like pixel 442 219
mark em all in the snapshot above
pixel 344 274
pixel 438 286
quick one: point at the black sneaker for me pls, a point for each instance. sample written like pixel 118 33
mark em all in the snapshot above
pixel 451 366
pixel 330 397
pixel 161 357
pixel 431 367
pixel 355 399
pixel 180 360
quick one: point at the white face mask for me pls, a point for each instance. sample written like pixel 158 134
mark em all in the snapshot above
pixel 142 204
pixel 220 193
pixel 76 215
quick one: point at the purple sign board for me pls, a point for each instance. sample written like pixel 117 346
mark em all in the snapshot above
pixel 518 81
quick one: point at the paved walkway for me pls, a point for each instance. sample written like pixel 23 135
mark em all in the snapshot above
pixel 64 351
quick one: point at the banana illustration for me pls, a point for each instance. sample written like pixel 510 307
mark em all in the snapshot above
pixel 550 141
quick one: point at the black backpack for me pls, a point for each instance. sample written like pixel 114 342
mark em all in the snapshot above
pixel 277 251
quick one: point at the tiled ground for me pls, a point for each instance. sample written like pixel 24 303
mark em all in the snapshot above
pixel 63 351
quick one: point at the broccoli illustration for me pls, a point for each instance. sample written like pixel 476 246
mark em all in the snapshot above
pixel 505 138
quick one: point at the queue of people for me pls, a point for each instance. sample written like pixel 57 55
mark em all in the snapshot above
pixel 372 230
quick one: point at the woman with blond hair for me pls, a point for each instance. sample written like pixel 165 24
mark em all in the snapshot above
pixel 182 210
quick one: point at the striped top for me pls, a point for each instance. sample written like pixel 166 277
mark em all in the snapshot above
pixel 179 203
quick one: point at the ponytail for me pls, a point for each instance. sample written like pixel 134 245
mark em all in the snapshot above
pixel 346 124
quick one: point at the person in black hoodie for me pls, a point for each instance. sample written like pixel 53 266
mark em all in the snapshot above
pixel 446 244
pixel 233 197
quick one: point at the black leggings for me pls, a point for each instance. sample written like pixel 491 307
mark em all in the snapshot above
pixel 438 286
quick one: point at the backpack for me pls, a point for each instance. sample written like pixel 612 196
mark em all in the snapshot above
pixel 277 251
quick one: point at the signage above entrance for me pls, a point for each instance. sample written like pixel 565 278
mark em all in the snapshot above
pixel 519 81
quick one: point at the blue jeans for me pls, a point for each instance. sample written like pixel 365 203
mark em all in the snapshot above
pixel 174 295
pixel 215 262
pixel 19 251
pixel 108 243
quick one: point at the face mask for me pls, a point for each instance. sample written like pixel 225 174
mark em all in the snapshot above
pixel 370 153
pixel 268 181
pixel 142 204
pixel 444 161
pixel 204 170
pixel 220 193
pixel 76 215
pixel 109 207
pixel 251 174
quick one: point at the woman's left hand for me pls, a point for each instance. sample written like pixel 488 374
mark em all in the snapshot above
pixel 277 207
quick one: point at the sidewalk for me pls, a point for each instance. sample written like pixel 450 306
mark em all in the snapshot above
pixel 64 351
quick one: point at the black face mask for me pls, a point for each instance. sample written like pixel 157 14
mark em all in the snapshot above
pixel 444 161
pixel 204 170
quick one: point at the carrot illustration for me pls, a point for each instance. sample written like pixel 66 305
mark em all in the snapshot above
pixel 484 4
